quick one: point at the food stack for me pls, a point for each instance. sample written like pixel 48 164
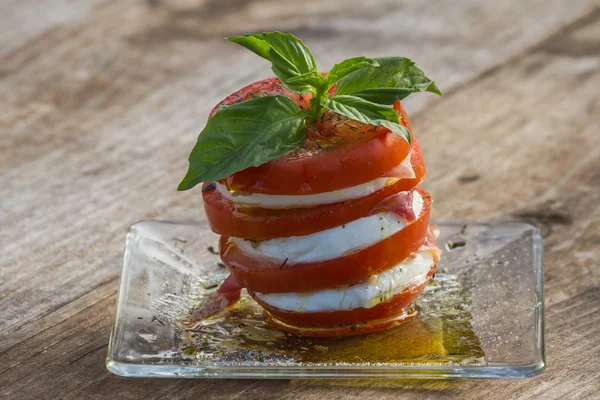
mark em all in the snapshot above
pixel 333 238
pixel 311 180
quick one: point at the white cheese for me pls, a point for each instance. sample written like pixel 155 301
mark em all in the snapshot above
pixel 378 288
pixel 330 243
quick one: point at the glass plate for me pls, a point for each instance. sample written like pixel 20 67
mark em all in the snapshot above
pixel 481 317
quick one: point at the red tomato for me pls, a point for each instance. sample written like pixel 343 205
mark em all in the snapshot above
pixel 347 322
pixel 266 276
pixel 228 293
pixel 260 223
pixel 338 153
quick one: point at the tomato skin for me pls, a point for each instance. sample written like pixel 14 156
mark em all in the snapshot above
pixel 226 219
pixel 311 323
pixel 266 276
pixel 228 293
pixel 339 153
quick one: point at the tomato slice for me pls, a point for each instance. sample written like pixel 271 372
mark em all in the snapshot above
pixel 228 294
pixel 225 218
pixel 267 276
pixel 338 153
pixel 346 322
pixel 343 330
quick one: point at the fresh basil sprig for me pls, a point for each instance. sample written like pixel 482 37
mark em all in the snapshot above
pixel 289 56
pixel 257 131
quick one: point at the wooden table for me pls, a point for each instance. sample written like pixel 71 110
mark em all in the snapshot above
pixel 101 101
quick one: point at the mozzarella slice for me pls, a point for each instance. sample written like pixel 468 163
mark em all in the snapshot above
pixel 377 289
pixel 330 243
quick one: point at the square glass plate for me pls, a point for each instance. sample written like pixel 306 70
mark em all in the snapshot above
pixel 481 317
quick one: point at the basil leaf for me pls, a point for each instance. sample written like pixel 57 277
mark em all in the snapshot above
pixel 362 107
pixel 289 56
pixel 243 135
pixel 312 79
pixel 347 66
pixel 383 95
pixel 393 72
pixel 253 43
pixel 367 112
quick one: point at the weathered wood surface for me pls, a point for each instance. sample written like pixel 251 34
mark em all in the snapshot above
pixel 101 102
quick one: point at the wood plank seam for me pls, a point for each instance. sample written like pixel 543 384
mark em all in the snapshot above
pixel 587 17
pixel 102 298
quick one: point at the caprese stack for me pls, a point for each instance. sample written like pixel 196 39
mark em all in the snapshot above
pixel 332 237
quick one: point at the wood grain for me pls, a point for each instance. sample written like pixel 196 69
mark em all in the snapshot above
pixel 102 102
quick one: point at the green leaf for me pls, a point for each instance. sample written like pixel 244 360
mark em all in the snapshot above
pixel 383 95
pixel 355 108
pixel 253 43
pixel 367 112
pixel 246 134
pixel 289 56
pixel 347 66
pixel 393 72
pixel 312 80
